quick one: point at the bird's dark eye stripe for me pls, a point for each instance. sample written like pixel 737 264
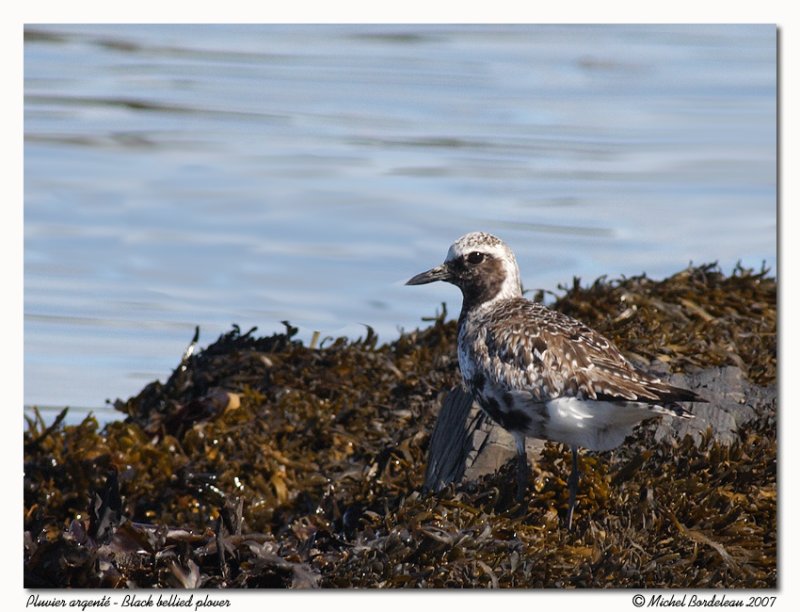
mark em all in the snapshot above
pixel 475 257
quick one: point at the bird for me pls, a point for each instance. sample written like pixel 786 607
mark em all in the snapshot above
pixel 540 373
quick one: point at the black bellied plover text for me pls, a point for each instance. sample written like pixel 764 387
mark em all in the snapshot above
pixel 537 372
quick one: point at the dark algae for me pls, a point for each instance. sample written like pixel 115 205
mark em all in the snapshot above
pixel 264 462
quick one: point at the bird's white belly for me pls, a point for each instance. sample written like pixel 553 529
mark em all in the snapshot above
pixel 598 426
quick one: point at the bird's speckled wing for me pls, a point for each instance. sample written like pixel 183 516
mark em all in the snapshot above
pixel 528 347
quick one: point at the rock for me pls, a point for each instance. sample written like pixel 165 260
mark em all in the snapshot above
pixel 732 402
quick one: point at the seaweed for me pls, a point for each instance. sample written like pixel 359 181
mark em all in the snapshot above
pixel 262 462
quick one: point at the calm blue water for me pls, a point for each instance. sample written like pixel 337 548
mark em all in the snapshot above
pixel 204 175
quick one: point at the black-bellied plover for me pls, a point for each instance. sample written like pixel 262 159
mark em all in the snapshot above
pixel 537 372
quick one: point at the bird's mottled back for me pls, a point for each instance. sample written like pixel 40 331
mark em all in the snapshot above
pixel 522 345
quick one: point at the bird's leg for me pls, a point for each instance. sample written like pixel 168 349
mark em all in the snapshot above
pixel 573 486
pixel 523 471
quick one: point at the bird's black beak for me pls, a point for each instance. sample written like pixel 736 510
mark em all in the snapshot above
pixel 439 273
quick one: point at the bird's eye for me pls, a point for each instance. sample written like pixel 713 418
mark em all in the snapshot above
pixel 475 257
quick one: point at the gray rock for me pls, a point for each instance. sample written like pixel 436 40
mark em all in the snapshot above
pixel 732 402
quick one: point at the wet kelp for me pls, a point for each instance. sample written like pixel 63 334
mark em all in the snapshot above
pixel 262 462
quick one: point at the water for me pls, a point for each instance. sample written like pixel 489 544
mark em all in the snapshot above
pixel 203 175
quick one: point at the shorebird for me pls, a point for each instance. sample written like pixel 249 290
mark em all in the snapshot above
pixel 540 373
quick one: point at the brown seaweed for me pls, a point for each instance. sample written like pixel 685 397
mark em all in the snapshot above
pixel 262 462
